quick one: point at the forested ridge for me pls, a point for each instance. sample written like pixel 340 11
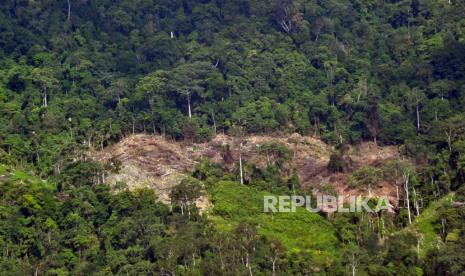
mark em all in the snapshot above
pixel 79 75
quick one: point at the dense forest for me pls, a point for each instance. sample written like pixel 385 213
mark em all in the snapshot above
pixel 80 75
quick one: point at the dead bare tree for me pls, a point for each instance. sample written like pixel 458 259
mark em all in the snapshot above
pixel 69 10
pixel 406 177
pixel 287 14
pixel 238 133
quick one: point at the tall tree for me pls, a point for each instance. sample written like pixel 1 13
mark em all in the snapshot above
pixel 44 77
pixel 189 79
pixel 153 86
pixel 237 132
pixel 415 97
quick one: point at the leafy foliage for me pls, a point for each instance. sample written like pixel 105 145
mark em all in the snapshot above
pixel 79 75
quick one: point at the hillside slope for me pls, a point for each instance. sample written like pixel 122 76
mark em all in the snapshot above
pixel 153 161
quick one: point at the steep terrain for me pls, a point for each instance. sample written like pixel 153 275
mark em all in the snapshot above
pixel 155 162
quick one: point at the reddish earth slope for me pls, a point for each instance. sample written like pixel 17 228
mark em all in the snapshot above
pixel 156 162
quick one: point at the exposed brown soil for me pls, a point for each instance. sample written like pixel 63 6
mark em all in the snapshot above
pixel 153 161
pixel 315 174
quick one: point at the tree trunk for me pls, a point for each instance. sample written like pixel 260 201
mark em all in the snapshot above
pixel 432 187
pixel 418 117
pixel 189 105
pixel 274 265
pixel 133 126
pixel 317 34
pixel 247 264
pixel 69 10
pixel 45 103
pixel 449 140
pixel 214 123
pixel 354 265
pixel 240 163
pixel 415 203
pixel 407 198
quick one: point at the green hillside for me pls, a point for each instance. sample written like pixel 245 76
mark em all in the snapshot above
pixel 80 76
pixel 299 232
